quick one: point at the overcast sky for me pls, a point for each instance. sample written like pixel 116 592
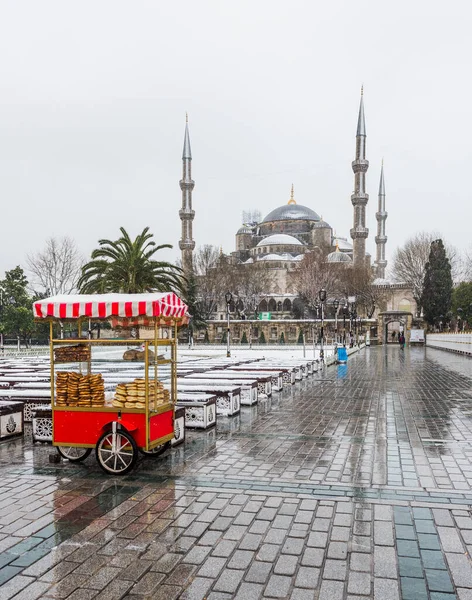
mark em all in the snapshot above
pixel 93 96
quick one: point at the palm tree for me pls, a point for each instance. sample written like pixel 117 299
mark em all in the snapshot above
pixel 128 267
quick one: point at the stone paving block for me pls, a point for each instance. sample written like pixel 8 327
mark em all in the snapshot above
pixel 293 546
pixel 408 548
pixel 385 562
pixel 461 569
pixel 197 589
pixel 335 569
pixel 382 513
pixel 102 578
pixel 413 589
pixel 307 577
pixel 250 542
pixel 81 594
pixel 249 591
pixel 258 572
pixel 317 539
pixel 337 550
pixel 359 583
pixel 360 562
pixel 278 586
pixel 116 590
pixel 438 581
pixel 286 565
pixel 224 548
pixel 332 590
pixel 443 517
pixel 197 554
pixel 450 540
pixel 228 581
pixel 385 589
pixel 211 568
pixel 303 594
pixel 241 559
pixel 383 533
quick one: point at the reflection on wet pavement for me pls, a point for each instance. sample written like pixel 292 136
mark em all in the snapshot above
pixel 286 496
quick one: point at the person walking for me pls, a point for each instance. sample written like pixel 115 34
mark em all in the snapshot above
pixel 401 340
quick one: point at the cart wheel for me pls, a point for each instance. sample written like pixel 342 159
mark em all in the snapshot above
pixel 73 454
pixel 157 451
pixel 118 458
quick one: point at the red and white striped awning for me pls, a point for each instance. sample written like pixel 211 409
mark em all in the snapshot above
pixel 101 306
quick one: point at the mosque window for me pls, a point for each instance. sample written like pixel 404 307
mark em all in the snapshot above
pixel 273 333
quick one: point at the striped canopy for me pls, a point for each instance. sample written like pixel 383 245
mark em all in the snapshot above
pixel 101 306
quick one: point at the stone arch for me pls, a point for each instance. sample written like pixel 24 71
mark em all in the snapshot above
pixel 263 306
pixel 272 305
pixel 287 306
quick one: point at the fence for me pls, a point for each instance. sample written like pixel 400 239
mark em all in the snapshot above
pixel 452 342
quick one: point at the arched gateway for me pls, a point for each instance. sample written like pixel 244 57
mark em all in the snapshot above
pixel 394 321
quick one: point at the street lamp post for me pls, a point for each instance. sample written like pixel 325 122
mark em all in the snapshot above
pixel 228 298
pixel 344 322
pixel 336 308
pixel 322 297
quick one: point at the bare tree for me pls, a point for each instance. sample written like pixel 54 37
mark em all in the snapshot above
pixel 315 273
pixel 409 262
pixel 56 269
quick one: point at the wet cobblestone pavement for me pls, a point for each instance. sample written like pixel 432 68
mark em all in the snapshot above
pixel 356 483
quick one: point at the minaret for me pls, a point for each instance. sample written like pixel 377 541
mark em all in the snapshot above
pixel 381 238
pixel 186 213
pixel 359 198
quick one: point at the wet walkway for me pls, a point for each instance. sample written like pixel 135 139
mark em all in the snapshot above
pixel 356 483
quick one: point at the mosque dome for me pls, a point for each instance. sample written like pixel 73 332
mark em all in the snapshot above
pixel 337 256
pixel 280 239
pixel 244 229
pixel 321 225
pixel 292 212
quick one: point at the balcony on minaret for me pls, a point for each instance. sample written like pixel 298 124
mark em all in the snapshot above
pixel 187 184
pixel 381 215
pixel 360 198
pixel 380 239
pixel 360 165
pixel 359 232
pixel 186 214
pixel 186 244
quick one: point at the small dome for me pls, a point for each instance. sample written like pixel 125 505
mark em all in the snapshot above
pixel 291 212
pixel 280 239
pixel 337 256
pixel 244 229
pixel 272 257
pixel 321 225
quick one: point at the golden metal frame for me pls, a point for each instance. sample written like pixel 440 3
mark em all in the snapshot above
pixel 148 411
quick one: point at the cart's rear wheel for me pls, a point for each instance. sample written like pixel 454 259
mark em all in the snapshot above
pixel 157 450
pixel 116 452
pixel 73 454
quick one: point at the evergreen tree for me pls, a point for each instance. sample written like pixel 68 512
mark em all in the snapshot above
pixel 224 338
pixel 437 286
pixel 206 339
pixel 282 338
pixel 262 339
pixel 244 338
pixel 300 337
